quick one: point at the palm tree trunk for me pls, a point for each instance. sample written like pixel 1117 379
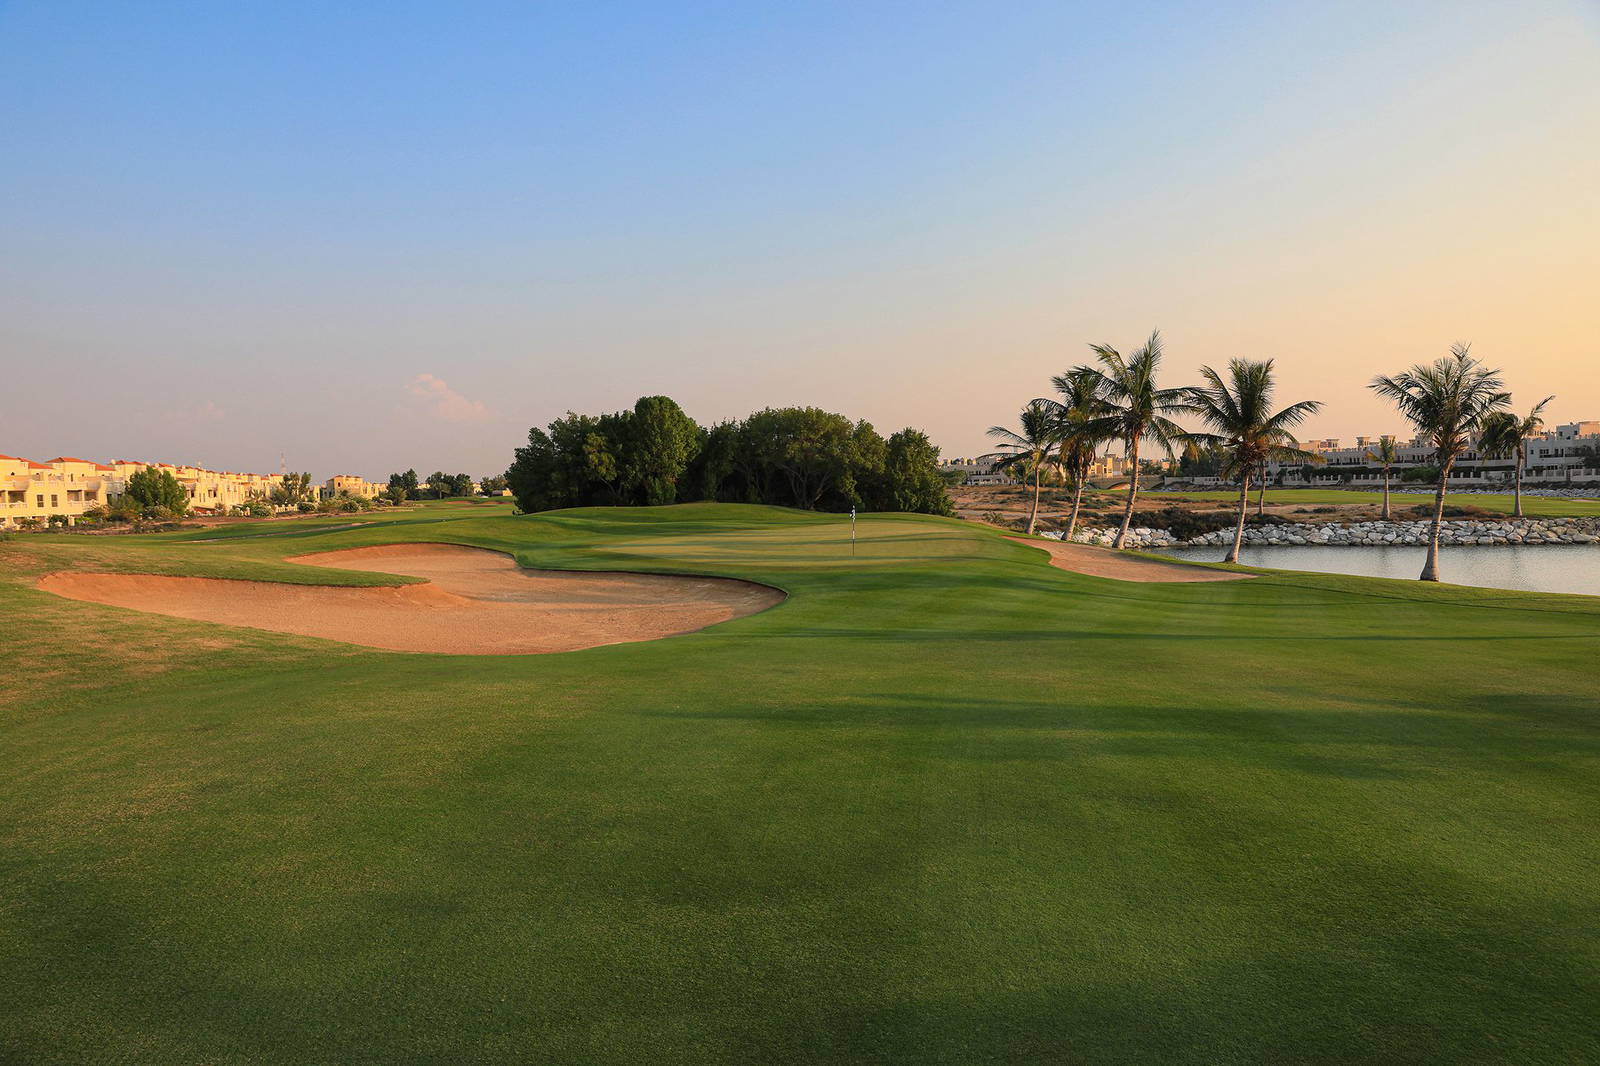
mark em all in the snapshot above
pixel 1238 530
pixel 1430 569
pixel 1077 499
pixel 1133 493
pixel 1516 510
pixel 1261 495
pixel 1386 494
pixel 1033 516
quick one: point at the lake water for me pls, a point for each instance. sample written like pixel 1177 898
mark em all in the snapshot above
pixel 1541 568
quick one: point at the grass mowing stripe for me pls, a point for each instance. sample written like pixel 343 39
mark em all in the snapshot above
pixel 946 804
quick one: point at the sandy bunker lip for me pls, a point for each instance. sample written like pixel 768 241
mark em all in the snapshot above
pixel 476 602
pixel 1102 562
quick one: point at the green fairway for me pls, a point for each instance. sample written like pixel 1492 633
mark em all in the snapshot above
pixel 945 804
pixel 1409 496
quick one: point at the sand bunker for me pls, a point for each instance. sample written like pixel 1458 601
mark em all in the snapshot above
pixel 476 602
pixel 1103 562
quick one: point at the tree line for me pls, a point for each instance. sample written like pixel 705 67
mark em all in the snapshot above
pixel 1455 403
pixel 439 485
pixel 655 454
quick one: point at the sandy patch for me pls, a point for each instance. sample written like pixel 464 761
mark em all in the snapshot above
pixel 476 602
pixel 1103 562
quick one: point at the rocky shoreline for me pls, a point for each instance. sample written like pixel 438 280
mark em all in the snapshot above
pixel 1458 533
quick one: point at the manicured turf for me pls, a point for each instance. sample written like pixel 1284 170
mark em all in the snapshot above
pixel 1407 496
pixel 944 805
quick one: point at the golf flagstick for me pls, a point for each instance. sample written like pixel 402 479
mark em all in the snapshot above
pixel 852 532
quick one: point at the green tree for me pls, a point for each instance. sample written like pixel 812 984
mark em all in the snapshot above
pixel 1505 436
pixel 911 469
pixel 438 483
pixel 601 461
pixel 292 490
pixel 403 487
pixel 1448 401
pixel 1243 425
pixel 1029 451
pixel 152 488
pixel 661 442
pixel 532 474
pixel 713 469
pixel 575 462
pixel 492 484
pixel 807 449
pixel 1386 455
pixel 1139 409
pixel 461 485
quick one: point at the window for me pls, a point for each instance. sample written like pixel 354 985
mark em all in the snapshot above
pixel 39 501
pixel 53 499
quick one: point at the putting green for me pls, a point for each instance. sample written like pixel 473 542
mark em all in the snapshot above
pixel 946 803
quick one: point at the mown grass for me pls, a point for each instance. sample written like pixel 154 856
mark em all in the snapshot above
pixel 1409 495
pixel 945 804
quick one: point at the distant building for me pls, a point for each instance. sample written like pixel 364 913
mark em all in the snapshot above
pixel 68 487
pixel 983 470
pixel 1557 455
pixel 352 485
pixel 979 471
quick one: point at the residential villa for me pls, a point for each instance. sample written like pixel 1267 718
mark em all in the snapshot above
pixel 982 470
pixel 1566 455
pixel 355 485
pixel 67 487
pixel 64 486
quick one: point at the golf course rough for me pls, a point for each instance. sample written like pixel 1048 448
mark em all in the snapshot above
pixel 946 803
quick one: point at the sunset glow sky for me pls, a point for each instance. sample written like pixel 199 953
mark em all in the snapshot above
pixel 398 234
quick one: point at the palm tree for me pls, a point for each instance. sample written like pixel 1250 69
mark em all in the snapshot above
pixel 1238 413
pixel 1448 400
pixel 1505 436
pixel 1137 408
pixel 1386 456
pixel 1080 431
pixel 1029 450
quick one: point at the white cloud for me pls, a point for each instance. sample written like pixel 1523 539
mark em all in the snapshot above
pixel 444 402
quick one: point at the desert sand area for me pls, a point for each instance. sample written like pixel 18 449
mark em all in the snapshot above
pixel 1092 561
pixel 475 602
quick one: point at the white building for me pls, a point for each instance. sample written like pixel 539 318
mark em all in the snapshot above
pixel 1555 457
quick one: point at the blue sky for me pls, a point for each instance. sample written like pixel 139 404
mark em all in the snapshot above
pixel 373 236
